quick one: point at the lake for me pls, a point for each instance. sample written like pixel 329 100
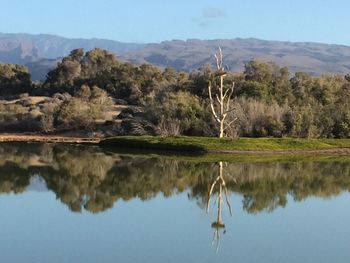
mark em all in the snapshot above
pixel 61 203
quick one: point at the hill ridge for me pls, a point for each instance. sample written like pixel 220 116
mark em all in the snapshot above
pixel 41 52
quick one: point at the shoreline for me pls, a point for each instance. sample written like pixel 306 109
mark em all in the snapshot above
pixel 48 139
pixel 195 145
pixel 240 146
pixel 335 151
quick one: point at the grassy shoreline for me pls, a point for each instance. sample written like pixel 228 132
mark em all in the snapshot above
pixel 226 145
pixel 229 158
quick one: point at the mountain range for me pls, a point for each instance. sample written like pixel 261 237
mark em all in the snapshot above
pixel 42 52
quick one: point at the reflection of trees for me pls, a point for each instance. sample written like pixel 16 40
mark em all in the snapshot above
pixel 13 179
pixel 87 178
pixel 265 186
pixel 78 177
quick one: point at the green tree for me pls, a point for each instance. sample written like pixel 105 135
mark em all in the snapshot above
pixel 14 79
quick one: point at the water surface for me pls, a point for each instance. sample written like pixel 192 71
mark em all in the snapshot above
pixel 84 204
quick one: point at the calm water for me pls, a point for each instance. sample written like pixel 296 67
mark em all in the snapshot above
pixel 83 204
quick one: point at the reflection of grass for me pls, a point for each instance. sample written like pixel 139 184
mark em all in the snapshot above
pixel 259 158
pixel 211 144
pixel 230 158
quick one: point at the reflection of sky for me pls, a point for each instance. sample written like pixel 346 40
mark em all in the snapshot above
pixel 35 227
pixel 37 184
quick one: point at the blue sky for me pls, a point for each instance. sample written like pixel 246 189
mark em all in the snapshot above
pixel 157 20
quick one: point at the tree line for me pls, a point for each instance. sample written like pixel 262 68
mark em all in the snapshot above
pixel 267 100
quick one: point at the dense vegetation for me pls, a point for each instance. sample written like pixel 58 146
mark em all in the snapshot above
pixel 84 87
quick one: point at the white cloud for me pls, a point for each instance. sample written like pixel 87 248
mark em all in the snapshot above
pixel 210 14
pixel 213 13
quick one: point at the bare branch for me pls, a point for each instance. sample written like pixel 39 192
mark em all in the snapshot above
pixel 220 53
pixel 212 104
pixel 232 89
pixel 230 110
pixel 227 201
pixel 214 113
pixel 210 96
pixel 211 191
pixel 230 123
pixel 225 94
pixel 217 61
pixel 217 98
pixel 228 100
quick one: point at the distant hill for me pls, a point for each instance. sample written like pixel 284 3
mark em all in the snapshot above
pixel 41 53
pixel 314 58
pixel 16 48
pixel 38 69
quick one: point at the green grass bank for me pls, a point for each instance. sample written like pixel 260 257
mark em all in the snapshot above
pixel 226 145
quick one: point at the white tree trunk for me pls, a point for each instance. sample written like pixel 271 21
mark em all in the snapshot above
pixel 223 98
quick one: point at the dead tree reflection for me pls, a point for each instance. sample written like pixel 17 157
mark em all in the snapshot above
pixel 217 190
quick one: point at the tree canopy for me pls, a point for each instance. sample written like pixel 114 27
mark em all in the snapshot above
pixel 14 79
pixel 267 99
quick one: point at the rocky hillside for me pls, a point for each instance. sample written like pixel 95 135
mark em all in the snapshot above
pixel 187 55
pixel 41 53
pixel 23 48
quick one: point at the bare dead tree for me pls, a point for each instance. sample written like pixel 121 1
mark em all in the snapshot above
pixel 222 106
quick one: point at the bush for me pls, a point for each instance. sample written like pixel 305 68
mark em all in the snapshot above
pixel 177 113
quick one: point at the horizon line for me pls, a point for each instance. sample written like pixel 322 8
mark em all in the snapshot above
pixel 174 39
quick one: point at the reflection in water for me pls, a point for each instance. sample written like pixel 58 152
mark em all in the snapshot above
pixel 217 188
pixel 36 228
pixel 90 179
